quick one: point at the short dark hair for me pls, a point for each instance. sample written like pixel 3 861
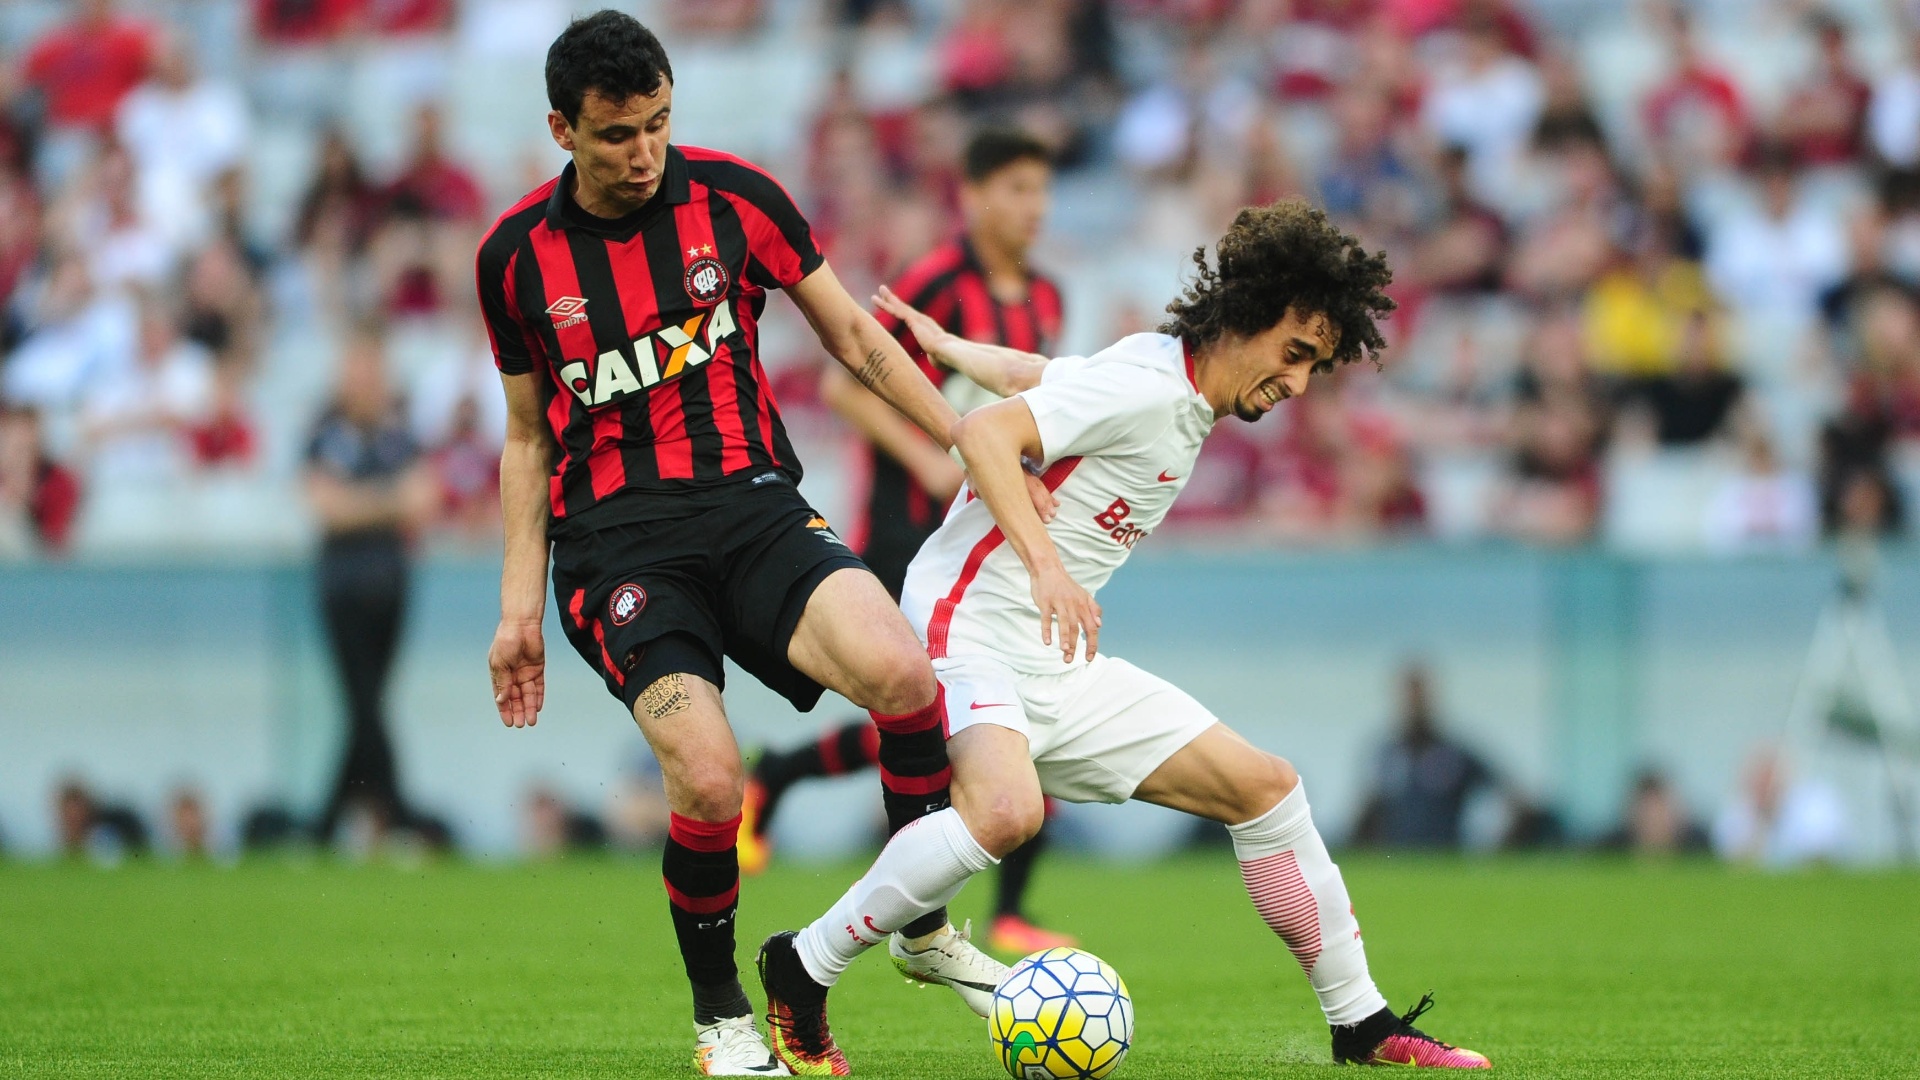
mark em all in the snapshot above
pixel 995 148
pixel 1286 255
pixel 608 52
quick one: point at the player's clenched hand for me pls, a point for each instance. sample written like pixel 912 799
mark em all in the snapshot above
pixel 1062 599
pixel 518 661
pixel 928 333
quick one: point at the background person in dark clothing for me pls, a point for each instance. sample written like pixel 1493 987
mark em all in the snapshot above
pixel 1421 780
pixel 369 489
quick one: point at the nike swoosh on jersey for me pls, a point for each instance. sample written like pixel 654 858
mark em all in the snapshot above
pixel 989 705
pixel 1165 479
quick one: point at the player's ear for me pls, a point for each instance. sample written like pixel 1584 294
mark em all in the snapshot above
pixel 561 130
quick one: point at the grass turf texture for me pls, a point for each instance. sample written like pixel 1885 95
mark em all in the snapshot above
pixel 1553 968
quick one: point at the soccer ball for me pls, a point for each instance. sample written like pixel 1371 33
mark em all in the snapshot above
pixel 1061 1014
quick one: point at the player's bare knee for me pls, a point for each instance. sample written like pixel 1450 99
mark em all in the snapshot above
pixel 710 792
pixel 898 679
pixel 1004 821
pixel 1276 779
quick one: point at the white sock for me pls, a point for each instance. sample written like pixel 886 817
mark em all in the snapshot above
pixel 920 869
pixel 1298 891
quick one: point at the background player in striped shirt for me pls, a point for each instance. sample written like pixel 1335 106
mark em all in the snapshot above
pixel 978 285
pixel 1004 598
pixel 646 454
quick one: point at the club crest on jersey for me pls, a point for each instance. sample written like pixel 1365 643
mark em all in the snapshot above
pixel 626 603
pixel 664 354
pixel 706 278
pixel 568 311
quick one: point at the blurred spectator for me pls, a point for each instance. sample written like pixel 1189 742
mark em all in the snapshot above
pixel 466 467
pixel 1553 490
pixel 423 246
pixel 99 831
pixel 1764 507
pixel 1777 260
pixel 551 827
pixel 127 242
pixel 1464 249
pixel 1824 119
pixel 371 493
pixel 187 824
pixel 225 437
pixel 182 131
pixel 1656 822
pixel 1778 820
pixel 39 498
pixel 85 66
pixel 1421 780
pixel 224 310
pixel 1697 400
pixel 1696 116
pixel 1487 102
pixel 1645 311
pixel 1893 116
pixel 137 425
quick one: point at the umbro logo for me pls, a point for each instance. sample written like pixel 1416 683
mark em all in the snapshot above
pixel 568 311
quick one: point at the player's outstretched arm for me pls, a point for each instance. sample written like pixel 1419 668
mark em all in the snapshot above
pixel 863 347
pixel 875 419
pixel 993 439
pixel 518 658
pixel 997 368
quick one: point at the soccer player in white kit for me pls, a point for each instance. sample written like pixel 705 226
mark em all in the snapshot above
pixel 1003 600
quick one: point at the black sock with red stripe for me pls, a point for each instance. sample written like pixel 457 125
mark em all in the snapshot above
pixel 914 778
pixel 914 773
pixel 702 872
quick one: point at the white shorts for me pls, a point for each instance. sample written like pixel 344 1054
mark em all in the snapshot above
pixel 1094 732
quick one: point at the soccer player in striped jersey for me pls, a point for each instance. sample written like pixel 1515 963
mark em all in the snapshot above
pixel 979 285
pixel 1003 598
pixel 646 456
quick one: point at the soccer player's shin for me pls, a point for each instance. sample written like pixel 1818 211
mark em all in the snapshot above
pixel 702 874
pixel 920 869
pixel 1298 891
pixel 914 774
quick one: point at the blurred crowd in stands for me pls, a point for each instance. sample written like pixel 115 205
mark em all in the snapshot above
pixel 1657 262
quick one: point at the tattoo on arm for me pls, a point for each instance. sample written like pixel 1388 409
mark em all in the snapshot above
pixel 667 695
pixel 874 370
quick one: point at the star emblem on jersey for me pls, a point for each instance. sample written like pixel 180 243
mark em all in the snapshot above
pixel 568 311
pixel 706 281
pixel 626 603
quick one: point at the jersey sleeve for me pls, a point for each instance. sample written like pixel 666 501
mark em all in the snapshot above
pixel 504 330
pixel 780 245
pixel 1085 408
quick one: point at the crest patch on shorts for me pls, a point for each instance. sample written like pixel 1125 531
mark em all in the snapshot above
pixel 626 603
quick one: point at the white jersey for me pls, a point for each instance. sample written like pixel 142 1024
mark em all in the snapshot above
pixel 1119 432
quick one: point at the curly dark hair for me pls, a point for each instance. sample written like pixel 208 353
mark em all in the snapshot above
pixel 1286 255
pixel 608 52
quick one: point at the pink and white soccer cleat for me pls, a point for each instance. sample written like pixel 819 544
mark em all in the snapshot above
pixel 1403 1043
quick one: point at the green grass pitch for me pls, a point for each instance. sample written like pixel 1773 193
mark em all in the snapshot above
pixel 1551 967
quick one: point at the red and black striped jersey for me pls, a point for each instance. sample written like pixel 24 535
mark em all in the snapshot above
pixel 644 330
pixel 950 286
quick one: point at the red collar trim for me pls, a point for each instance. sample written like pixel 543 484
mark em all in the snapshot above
pixel 1186 350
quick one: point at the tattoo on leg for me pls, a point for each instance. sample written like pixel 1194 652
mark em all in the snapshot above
pixel 667 695
pixel 874 371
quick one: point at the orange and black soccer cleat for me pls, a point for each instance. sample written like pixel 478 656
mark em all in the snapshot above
pixel 797 1012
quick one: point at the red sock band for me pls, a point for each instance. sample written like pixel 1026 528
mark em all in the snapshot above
pixel 702 905
pixel 915 785
pixel 869 745
pixel 933 714
pixel 703 835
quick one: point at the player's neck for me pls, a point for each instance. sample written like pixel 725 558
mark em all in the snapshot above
pixel 1208 365
pixel 1006 271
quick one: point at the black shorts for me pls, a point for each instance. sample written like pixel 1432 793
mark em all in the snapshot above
pixel 730 578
